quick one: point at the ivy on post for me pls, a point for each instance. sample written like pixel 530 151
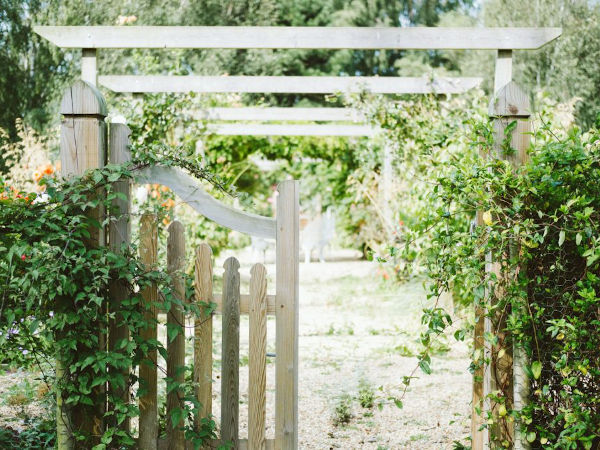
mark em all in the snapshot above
pixel 505 383
pixel 82 147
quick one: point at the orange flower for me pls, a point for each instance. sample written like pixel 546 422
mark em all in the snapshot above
pixel 37 176
pixel 48 170
pixel 166 221
pixel 164 188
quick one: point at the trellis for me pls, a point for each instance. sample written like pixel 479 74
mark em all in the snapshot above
pixel 513 105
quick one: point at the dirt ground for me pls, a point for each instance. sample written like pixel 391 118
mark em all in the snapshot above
pixel 357 331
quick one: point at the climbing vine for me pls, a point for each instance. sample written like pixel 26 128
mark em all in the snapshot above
pixel 55 300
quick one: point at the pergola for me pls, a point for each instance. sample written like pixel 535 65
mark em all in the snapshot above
pixel 502 40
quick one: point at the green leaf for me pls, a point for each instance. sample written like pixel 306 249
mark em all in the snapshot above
pixel 536 369
pixel 561 238
pixel 578 238
pixel 531 436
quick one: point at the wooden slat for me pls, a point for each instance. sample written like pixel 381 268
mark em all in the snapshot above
pixel 287 274
pixel 420 38
pixel 203 326
pixel 230 361
pixel 266 114
pixel 119 236
pixel 245 304
pixel 257 357
pixel 176 317
pixel 190 191
pixel 254 129
pixel 148 422
pixel 286 84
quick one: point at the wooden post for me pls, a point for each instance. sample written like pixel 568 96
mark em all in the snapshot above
pixel 176 317
pixel 230 364
pixel 89 67
pixel 481 377
pixel 203 330
pixel 82 147
pixel 148 427
pixel 119 235
pixel 257 357
pixel 287 295
pixel 510 105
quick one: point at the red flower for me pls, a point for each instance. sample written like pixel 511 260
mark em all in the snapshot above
pixel 23 257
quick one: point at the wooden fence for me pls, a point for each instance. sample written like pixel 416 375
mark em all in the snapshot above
pixel 84 146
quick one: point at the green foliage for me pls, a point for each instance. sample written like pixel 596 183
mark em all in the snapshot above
pixel 55 298
pixel 366 394
pixel 342 411
pixel 541 223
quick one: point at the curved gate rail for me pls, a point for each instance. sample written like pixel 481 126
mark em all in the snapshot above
pixel 83 147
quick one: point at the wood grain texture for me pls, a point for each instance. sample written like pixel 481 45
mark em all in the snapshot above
pixel 119 236
pixel 83 147
pixel 287 274
pixel 257 358
pixel 510 101
pixel 148 422
pixel 82 98
pixel 374 38
pixel 203 329
pixel 190 191
pixel 176 318
pixel 245 304
pixel 286 84
pixel 230 363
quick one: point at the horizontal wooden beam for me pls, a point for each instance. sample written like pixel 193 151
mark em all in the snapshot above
pixel 260 129
pixel 283 84
pixel 374 38
pixel 270 114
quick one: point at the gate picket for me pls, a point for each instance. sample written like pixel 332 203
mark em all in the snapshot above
pixel 230 360
pixel 257 358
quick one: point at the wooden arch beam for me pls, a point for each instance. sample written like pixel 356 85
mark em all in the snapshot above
pixel 191 192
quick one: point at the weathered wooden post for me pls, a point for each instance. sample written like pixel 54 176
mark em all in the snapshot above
pixel 479 434
pixel 119 235
pixel 176 317
pixel 509 105
pixel 82 147
pixel 287 305
pixel 148 402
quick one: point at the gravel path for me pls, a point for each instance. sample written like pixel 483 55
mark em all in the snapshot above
pixel 355 330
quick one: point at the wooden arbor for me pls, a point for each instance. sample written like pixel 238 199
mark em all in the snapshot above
pixel 502 40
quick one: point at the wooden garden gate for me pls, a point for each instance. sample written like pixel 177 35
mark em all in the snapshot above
pixel 83 147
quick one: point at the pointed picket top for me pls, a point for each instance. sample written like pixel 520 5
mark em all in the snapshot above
pixel 510 101
pixel 81 98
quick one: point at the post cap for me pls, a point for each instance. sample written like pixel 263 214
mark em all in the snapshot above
pixel 81 98
pixel 511 101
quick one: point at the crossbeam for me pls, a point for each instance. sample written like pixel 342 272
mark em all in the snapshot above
pixel 252 129
pixel 366 38
pixel 269 114
pixel 286 84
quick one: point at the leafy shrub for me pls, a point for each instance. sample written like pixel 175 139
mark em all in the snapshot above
pixel 542 225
